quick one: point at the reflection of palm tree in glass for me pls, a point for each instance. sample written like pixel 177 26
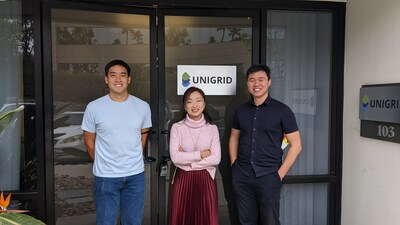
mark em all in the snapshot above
pixel 233 32
pixel 137 36
pixel 176 37
pixel 126 31
pixel 223 33
pixel 75 36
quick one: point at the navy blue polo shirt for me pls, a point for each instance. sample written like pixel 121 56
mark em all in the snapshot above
pixel 261 134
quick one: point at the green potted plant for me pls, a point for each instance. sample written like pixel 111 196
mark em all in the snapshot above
pixel 14 217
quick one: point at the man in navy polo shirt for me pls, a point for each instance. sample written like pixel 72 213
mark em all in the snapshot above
pixel 255 150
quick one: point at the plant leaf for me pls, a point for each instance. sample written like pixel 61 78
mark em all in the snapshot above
pixel 6 118
pixel 18 219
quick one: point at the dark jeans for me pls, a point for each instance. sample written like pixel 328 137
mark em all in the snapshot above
pixel 257 198
pixel 124 194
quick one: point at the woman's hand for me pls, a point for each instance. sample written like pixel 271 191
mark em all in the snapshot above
pixel 205 153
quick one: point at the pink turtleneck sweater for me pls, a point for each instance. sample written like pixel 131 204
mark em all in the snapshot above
pixel 194 136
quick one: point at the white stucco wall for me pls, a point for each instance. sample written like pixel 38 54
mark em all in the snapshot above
pixel 371 168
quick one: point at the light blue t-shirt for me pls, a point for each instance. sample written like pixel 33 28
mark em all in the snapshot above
pixel 117 125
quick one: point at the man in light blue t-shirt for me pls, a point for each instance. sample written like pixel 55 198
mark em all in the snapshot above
pixel 116 129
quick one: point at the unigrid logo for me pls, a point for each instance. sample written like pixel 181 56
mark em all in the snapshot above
pixel 364 102
pixel 185 79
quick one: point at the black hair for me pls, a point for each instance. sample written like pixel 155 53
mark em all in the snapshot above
pixel 119 63
pixel 258 67
pixel 186 95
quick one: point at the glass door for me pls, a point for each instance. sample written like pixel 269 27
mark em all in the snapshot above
pixel 83 42
pixel 299 49
pixel 203 40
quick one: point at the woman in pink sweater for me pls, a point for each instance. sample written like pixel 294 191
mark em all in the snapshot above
pixel 196 151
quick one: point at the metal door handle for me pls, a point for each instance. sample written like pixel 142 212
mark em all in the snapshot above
pixel 147 158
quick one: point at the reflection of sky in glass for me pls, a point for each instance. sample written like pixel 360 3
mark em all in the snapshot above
pixel 196 35
pixel 108 35
pixel 202 35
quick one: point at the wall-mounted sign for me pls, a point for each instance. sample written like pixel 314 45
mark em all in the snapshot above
pixel 380 130
pixel 213 80
pixel 379 112
pixel 304 101
pixel 380 103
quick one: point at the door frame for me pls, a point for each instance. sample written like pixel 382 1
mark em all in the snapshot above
pixel 44 88
pixel 161 14
pixel 48 92
pixel 157 96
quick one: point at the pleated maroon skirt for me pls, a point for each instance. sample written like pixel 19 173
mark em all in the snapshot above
pixel 194 199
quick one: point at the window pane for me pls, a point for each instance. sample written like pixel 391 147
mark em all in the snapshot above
pixel 299 55
pixel 83 42
pixel 191 40
pixel 18 168
pixel 304 204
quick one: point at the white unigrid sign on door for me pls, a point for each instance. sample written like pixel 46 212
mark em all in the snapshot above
pixel 213 80
pixel 304 101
